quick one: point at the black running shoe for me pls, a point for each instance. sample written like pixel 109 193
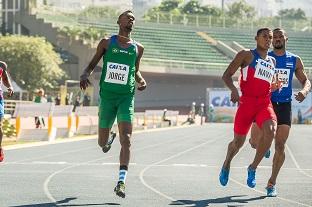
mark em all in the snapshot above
pixel 110 141
pixel 120 189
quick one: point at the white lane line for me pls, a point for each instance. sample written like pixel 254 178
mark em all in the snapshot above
pixel 116 163
pixel 262 192
pixel 164 160
pixel 186 165
pixel 296 163
pixel 49 163
pixel 48 179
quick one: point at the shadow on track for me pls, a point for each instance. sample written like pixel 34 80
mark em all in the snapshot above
pixel 65 203
pixel 227 199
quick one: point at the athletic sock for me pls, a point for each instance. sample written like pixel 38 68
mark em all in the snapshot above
pixel 123 170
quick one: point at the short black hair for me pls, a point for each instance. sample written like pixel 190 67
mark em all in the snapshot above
pixel 262 30
pixel 3 65
pixel 281 30
pixel 125 12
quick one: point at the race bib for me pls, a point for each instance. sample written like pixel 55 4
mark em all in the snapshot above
pixel 264 71
pixel 117 73
pixel 283 76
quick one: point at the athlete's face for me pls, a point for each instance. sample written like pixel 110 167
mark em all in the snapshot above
pixel 279 40
pixel 264 39
pixel 126 21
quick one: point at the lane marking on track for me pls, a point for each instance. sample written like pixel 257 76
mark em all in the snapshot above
pixel 181 165
pixel 262 192
pixel 50 177
pixel 296 163
pixel 164 160
pixel 235 181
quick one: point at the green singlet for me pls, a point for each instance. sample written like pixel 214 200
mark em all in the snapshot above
pixel 117 84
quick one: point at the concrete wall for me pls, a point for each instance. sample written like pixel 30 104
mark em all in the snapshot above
pixel 174 91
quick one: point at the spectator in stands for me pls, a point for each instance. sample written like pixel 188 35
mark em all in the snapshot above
pixel 67 101
pixel 57 100
pixel 299 117
pixel 193 110
pixel 191 116
pixel 49 98
pixel 39 121
pixel 77 103
pixel 164 117
pixel 5 79
pixel 121 59
pixel 211 113
pixel 86 100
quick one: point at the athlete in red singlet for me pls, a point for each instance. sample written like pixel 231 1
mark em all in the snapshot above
pixel 257 74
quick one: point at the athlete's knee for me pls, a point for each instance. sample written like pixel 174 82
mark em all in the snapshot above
pixel 125 140
pixel 252 143
pixel 269 132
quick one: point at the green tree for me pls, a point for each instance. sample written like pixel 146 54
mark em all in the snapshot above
pixel 297 14
pixel 32 62
pixel 163 10
pixel 240 10
pixel 169 5
pixel 211 10
pixel 95 12
pixel 192 7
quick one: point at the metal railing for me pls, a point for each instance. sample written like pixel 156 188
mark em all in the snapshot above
pixel 184 66
pixel 229 22
pixel 191 20
pixel 9 105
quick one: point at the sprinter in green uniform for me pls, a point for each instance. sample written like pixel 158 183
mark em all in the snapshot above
pixel 121 59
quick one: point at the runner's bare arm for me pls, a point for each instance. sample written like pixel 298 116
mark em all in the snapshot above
pixel 303 78
pixel 100 51
pixel 138 76
pixel 6 79
pixel 241 60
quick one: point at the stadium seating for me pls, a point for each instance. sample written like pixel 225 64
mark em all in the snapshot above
pixel 173 42
pixel 299 43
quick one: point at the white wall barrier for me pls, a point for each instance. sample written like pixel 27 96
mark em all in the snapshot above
pixel 59 120
pixel 62 119
pixel 139 121
pixel 87 119
pixel 25 121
